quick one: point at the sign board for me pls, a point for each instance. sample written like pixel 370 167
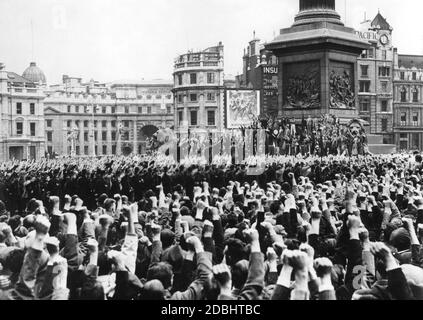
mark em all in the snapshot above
pixel 270 88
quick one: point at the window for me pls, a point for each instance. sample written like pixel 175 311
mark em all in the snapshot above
pixel 211 96
pixel 415 140
pixel 126 109
pixel 169 97
pixel 180 79
pixel 77 150
pixel 384 55
pixel 49 123
pixel 49 136
pixel 211 119
pixel 76 109
pixel 168 109
pixel 149 110
pixel 415 95
pixel 86 124
pixel 403 118
pixel 126 123
pixel 402 75
pixel 384 71
pixel 50 150
pixel 364 86
pixel 193 97
pixel 32 108
pixel 104 124
pixel 193 78
pixel 19 108
pixel 211 77
pixel 19 128
pixel 95 135
pixel 104 149
pixel 86 150
pixel 370 53
pixel 86 136
pixel 403 95
pixel 113 109
pixel 364 70
pixel 104 110
pixel 384 106
pixel 95 123
pixel 114 149
pixel 149 97
pixel 384 85
pixel 414 76
pixel 180 117
pixel 113 124
pixel 384 124
pixel 32 129
pixel 139 110
pixel 77 123
pixel 113 135
pixel 69 123
pixel 104 136
pixel 180 98
pixel 415 118
pixel 69 109
pixel 158 97
pixel 193 114
pixel 365 105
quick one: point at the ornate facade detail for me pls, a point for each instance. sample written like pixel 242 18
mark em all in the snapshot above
pixel 304 91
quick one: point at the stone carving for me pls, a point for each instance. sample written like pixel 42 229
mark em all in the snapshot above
pixel 304 91
pixel 341 90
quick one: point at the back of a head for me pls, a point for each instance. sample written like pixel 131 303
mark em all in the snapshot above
pixel 161 271
pixel 240 274
pixel 152 291
pixel 400 239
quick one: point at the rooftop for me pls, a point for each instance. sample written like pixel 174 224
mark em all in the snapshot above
pixel 410 61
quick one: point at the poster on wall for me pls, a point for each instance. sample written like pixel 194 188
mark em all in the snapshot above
pixel 242 107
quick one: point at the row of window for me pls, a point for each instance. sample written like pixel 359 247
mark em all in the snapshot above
pixel 370 54
pixel 193 78
pixel 193 97
pixel 20 131
pixel 113 123
pixel 414 118
pixel 404 94
pixel 141 110
pixel 383 71
pixel 364 86
pixel 193 120
pixel 365 105
pixel 413 76
pixel 86 150
pixel 19 108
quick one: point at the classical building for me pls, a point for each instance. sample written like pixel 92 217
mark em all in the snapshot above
pixel 375 77
pixel 22 114
pixel 199 90
pixel 94 118
pixel 408 102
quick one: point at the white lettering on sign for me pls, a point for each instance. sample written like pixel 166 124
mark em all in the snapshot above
pixel 368 35
pixel 270 70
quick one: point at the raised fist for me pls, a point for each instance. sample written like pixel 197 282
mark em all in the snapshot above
pixel 299 260
pixel 222 274
pixel 253 234
pixel 381 250
pixel 323 267
pixel 92 245
pixel 271 254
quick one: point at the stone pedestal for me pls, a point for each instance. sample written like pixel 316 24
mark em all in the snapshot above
pixel 317 64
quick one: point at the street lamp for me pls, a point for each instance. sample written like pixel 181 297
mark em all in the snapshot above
pixel 92 134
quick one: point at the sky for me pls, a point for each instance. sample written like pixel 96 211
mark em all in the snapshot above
pixel 110 40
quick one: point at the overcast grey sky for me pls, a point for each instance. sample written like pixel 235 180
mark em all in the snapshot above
pixel 132 39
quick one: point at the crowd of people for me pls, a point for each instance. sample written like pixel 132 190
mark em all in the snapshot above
pixel 144 228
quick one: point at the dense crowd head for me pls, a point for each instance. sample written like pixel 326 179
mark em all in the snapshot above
pixel 300 228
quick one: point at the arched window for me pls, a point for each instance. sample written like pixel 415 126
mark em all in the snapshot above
pixel 415 92
pixel 403 93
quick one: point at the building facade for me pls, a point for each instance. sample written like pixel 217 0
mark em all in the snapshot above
pixel 375 76
pixel 199 90
pixel 22 114
pixel 260 72
pixel 408 102
pixel 94 119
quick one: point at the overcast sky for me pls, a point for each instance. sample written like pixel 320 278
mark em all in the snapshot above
pixel 133 39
